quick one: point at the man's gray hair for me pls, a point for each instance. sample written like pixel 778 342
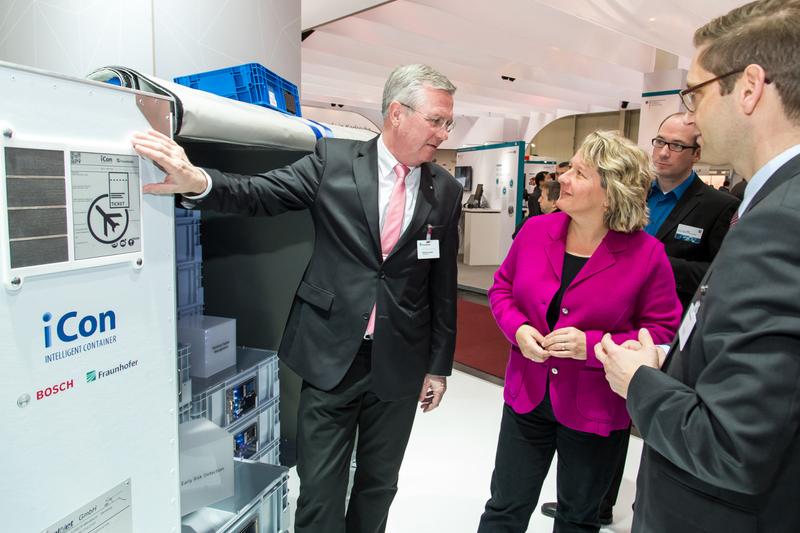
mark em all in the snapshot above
pixel 406 82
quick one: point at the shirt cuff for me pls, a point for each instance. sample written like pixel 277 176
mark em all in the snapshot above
pixel 204 193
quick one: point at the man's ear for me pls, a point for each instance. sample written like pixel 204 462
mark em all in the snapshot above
pixel 751 87
pixel 395 110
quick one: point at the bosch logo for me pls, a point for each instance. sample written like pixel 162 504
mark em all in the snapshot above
pixel 68 328
pixel 46 392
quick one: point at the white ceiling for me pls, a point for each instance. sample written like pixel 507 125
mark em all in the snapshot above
pixel 568 56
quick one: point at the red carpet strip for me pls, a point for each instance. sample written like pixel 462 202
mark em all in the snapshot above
pixel 479 342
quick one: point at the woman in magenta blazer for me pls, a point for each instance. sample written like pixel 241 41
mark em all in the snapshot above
pixel 569 278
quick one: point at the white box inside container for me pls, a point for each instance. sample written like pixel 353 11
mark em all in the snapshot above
pixel 206 465
pixel 213 341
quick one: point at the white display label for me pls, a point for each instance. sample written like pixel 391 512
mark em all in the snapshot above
pixel 108 513
pixel 105 204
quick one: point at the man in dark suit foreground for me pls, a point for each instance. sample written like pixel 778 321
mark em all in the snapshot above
pixel 372 326
pixel 721 419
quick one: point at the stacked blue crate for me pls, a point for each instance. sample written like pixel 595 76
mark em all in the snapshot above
pixel 188 263
pixel 252 83
pixel 188 270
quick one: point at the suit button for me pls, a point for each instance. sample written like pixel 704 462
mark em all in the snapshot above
pixel 564 310
pixel 365 316
pixel 382 275
pixel 554 370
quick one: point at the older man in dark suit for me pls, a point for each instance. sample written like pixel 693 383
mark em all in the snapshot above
pixel 372 327
pixel 721 419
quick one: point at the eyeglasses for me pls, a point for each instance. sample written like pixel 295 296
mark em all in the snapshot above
pixel 673 147
pixel 688 94
pixel 437 122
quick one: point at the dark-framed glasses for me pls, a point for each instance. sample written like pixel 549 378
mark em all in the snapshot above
pixel 437 122
pixel 688 95
pixel 658 142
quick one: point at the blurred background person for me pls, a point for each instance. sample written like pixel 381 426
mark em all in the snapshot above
pixel 532 196
pixel 550 193
pixel 545 300
pixel 738 189
pixel 533 199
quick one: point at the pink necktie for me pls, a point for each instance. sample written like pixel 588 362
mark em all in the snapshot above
pixel 392 224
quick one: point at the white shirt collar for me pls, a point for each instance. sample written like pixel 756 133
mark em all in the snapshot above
pixel 764 173
pixel 387 162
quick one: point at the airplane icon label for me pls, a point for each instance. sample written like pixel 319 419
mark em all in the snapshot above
pixel 106 224
pixel 105 204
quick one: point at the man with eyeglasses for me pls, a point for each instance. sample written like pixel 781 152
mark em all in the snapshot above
pixel 372 327
pixel 688 216
pixel 691 219
pixel 721 417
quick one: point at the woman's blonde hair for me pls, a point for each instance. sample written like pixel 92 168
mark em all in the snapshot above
pixel 626 175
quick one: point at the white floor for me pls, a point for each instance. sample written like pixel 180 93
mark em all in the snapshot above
pixel 444 481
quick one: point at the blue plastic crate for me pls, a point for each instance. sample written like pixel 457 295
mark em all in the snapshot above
pixel 189 285
pixel 251 83
pixel 291 98
pixel 187 241
pixel 189 310
pixel 181 213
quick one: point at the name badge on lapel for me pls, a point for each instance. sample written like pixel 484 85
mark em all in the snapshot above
pixel 428 249
pixel 689 234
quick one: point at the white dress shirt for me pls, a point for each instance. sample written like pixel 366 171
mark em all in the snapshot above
pixel 760 178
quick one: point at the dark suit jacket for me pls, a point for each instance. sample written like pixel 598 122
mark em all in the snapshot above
pixel 700 206
pixel 721 421
pixel 416 299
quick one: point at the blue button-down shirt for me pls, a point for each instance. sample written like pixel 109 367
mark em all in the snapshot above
pixel 661 204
